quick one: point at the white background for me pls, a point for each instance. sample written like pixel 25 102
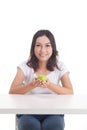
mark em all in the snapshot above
pixel 67 20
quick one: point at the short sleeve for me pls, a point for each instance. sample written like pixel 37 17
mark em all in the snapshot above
pixel 23 66
pixel 28 72
pixel 62 68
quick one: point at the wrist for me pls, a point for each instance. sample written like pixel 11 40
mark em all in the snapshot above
pixel 49 84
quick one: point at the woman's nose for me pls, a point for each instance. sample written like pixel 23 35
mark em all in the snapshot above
pixel 43 48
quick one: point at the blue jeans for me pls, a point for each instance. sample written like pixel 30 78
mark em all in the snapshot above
pixel 41 122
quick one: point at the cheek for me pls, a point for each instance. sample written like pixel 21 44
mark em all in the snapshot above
pixel 36 51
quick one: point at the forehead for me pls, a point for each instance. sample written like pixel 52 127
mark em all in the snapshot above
pixel 42 39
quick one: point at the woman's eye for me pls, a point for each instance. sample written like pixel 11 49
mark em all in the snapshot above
pixel 47 45
pixel 37 45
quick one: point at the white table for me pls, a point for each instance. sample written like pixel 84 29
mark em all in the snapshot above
pixel 43 104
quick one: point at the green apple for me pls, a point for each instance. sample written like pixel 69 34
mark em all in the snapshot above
pixel 42 77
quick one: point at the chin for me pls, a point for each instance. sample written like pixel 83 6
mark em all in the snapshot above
pixel 43 60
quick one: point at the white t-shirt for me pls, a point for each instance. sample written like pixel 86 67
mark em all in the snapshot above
pixel 53 76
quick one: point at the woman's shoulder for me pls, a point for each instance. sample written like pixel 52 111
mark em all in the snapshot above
pixel 23 64
pixel 62 68
pixel 24 67
pixel 61 65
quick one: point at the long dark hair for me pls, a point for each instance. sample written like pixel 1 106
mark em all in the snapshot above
pixel 52 62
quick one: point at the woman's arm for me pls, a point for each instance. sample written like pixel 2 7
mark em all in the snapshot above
pixel 65 88
pixel 17 86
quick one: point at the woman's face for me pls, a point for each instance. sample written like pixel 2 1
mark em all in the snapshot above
pixel 43 49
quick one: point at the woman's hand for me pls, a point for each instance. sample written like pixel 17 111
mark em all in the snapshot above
pixel 39 83
pixel 36 83
pixel 44 84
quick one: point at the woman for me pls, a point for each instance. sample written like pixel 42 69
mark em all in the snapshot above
pixel 43 60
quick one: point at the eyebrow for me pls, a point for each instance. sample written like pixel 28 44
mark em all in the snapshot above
pixel 44 43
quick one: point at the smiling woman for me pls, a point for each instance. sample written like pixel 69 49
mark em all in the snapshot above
pixel 43 48
pixel 43 60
